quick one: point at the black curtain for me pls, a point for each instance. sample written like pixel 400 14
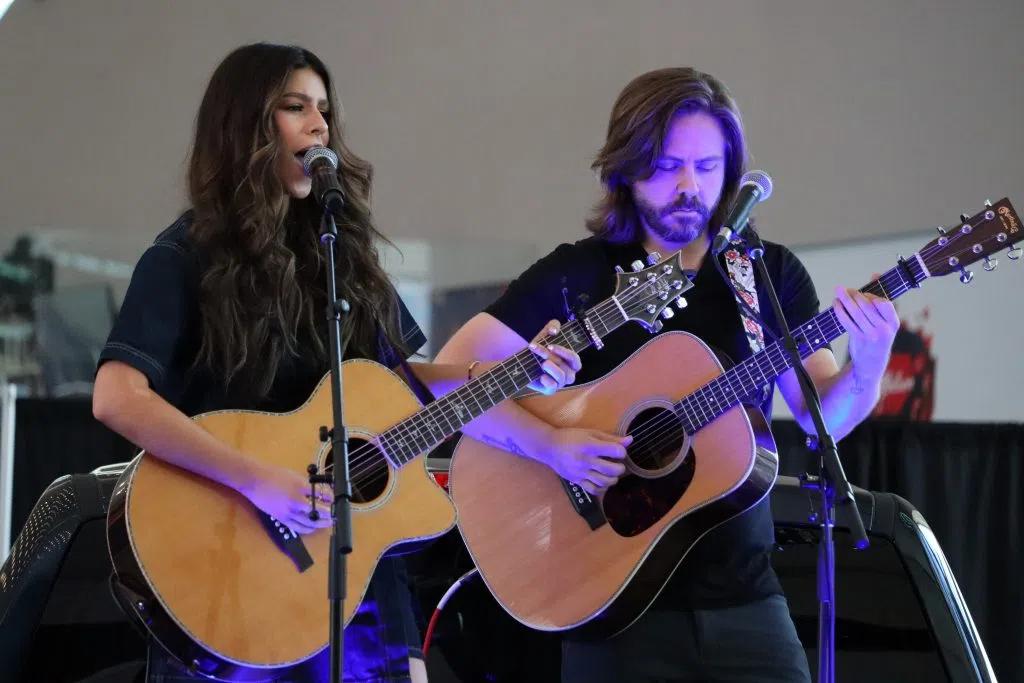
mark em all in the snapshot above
pixel 968 482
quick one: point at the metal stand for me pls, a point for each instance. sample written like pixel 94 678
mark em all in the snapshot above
pixel 829 479
pixel 827 566
pixel 8 407
pixel 341 510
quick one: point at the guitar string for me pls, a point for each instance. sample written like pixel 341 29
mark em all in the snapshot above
pixel 368 453
pixel 674 431
pixel 383 467
pixel 371 457
pixel 831 322
pixel 641 442
pixel 892 286
pixel 379 464
pixel 667 429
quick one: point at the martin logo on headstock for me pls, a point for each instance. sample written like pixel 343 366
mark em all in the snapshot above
pixel 1009 220
pixel 977 237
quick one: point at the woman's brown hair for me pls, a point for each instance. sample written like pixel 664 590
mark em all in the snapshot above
pixel 262 286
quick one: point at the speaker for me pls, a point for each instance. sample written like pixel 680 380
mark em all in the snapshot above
pixel 59 622
pixel 899 613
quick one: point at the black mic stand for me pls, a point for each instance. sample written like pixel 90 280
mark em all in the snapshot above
pixel 341 533
pixel 830 477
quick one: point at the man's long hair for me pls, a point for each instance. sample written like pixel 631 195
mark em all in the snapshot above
pixel 637 128
pixel 263 286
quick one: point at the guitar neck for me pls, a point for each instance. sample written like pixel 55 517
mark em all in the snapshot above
pixel 744 381
pixel 428 427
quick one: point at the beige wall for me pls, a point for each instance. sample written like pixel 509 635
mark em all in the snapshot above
pixel 481 115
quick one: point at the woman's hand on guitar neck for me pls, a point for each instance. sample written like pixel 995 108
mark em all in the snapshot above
pixel 588 457
pixel 284 495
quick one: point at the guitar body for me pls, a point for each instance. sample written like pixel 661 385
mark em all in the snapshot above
pixel 538 556
pixel 197 565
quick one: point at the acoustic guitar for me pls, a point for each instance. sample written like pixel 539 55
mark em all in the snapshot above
pixel 557 559
pixel 232 594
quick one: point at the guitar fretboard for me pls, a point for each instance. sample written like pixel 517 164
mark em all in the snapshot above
pixel 437 421
pixel 746 380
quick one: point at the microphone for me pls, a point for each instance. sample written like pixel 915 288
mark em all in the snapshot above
pixel 321 164
pixel 755 186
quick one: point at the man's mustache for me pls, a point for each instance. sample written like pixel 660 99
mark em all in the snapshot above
pixel 688 205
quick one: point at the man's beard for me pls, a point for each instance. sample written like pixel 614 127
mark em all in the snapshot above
pixel 675 229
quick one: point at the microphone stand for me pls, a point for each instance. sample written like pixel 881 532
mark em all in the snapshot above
pixel 341 532
pixel 830 478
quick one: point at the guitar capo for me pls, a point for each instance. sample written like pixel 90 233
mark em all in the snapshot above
pixel 575 312
pixel 579 303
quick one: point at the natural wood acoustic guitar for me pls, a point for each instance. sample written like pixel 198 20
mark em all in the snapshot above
pixel 557 559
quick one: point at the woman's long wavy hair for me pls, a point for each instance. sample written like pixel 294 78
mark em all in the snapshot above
pixel 263 286
pixel 639 123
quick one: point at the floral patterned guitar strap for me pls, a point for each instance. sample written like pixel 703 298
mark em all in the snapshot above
pixel 741 273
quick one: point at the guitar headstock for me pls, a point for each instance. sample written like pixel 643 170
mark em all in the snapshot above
pixel 645 294
pixel 977 237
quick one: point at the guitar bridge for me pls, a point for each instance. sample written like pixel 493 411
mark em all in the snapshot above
pixel 585 505
pixel 287 541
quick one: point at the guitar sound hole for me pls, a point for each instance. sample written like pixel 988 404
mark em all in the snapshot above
pixel 660 470
pixel 368 470
pixel 657 440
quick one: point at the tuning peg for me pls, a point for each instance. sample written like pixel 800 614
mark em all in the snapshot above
pixel 990 264
pixel 667 313
pixel 637 266
pixel 1014 253
pixel 966 276
pixel 653 258
pixel 681 303
pixel 618 269
pixel 964 218
pixel 658 325
pixel 988 203
pixel 942 230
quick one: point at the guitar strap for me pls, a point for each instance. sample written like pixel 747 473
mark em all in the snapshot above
pixel 742 275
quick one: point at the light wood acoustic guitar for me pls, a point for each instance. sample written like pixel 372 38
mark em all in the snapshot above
pixel 230 593
pixel 558 560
